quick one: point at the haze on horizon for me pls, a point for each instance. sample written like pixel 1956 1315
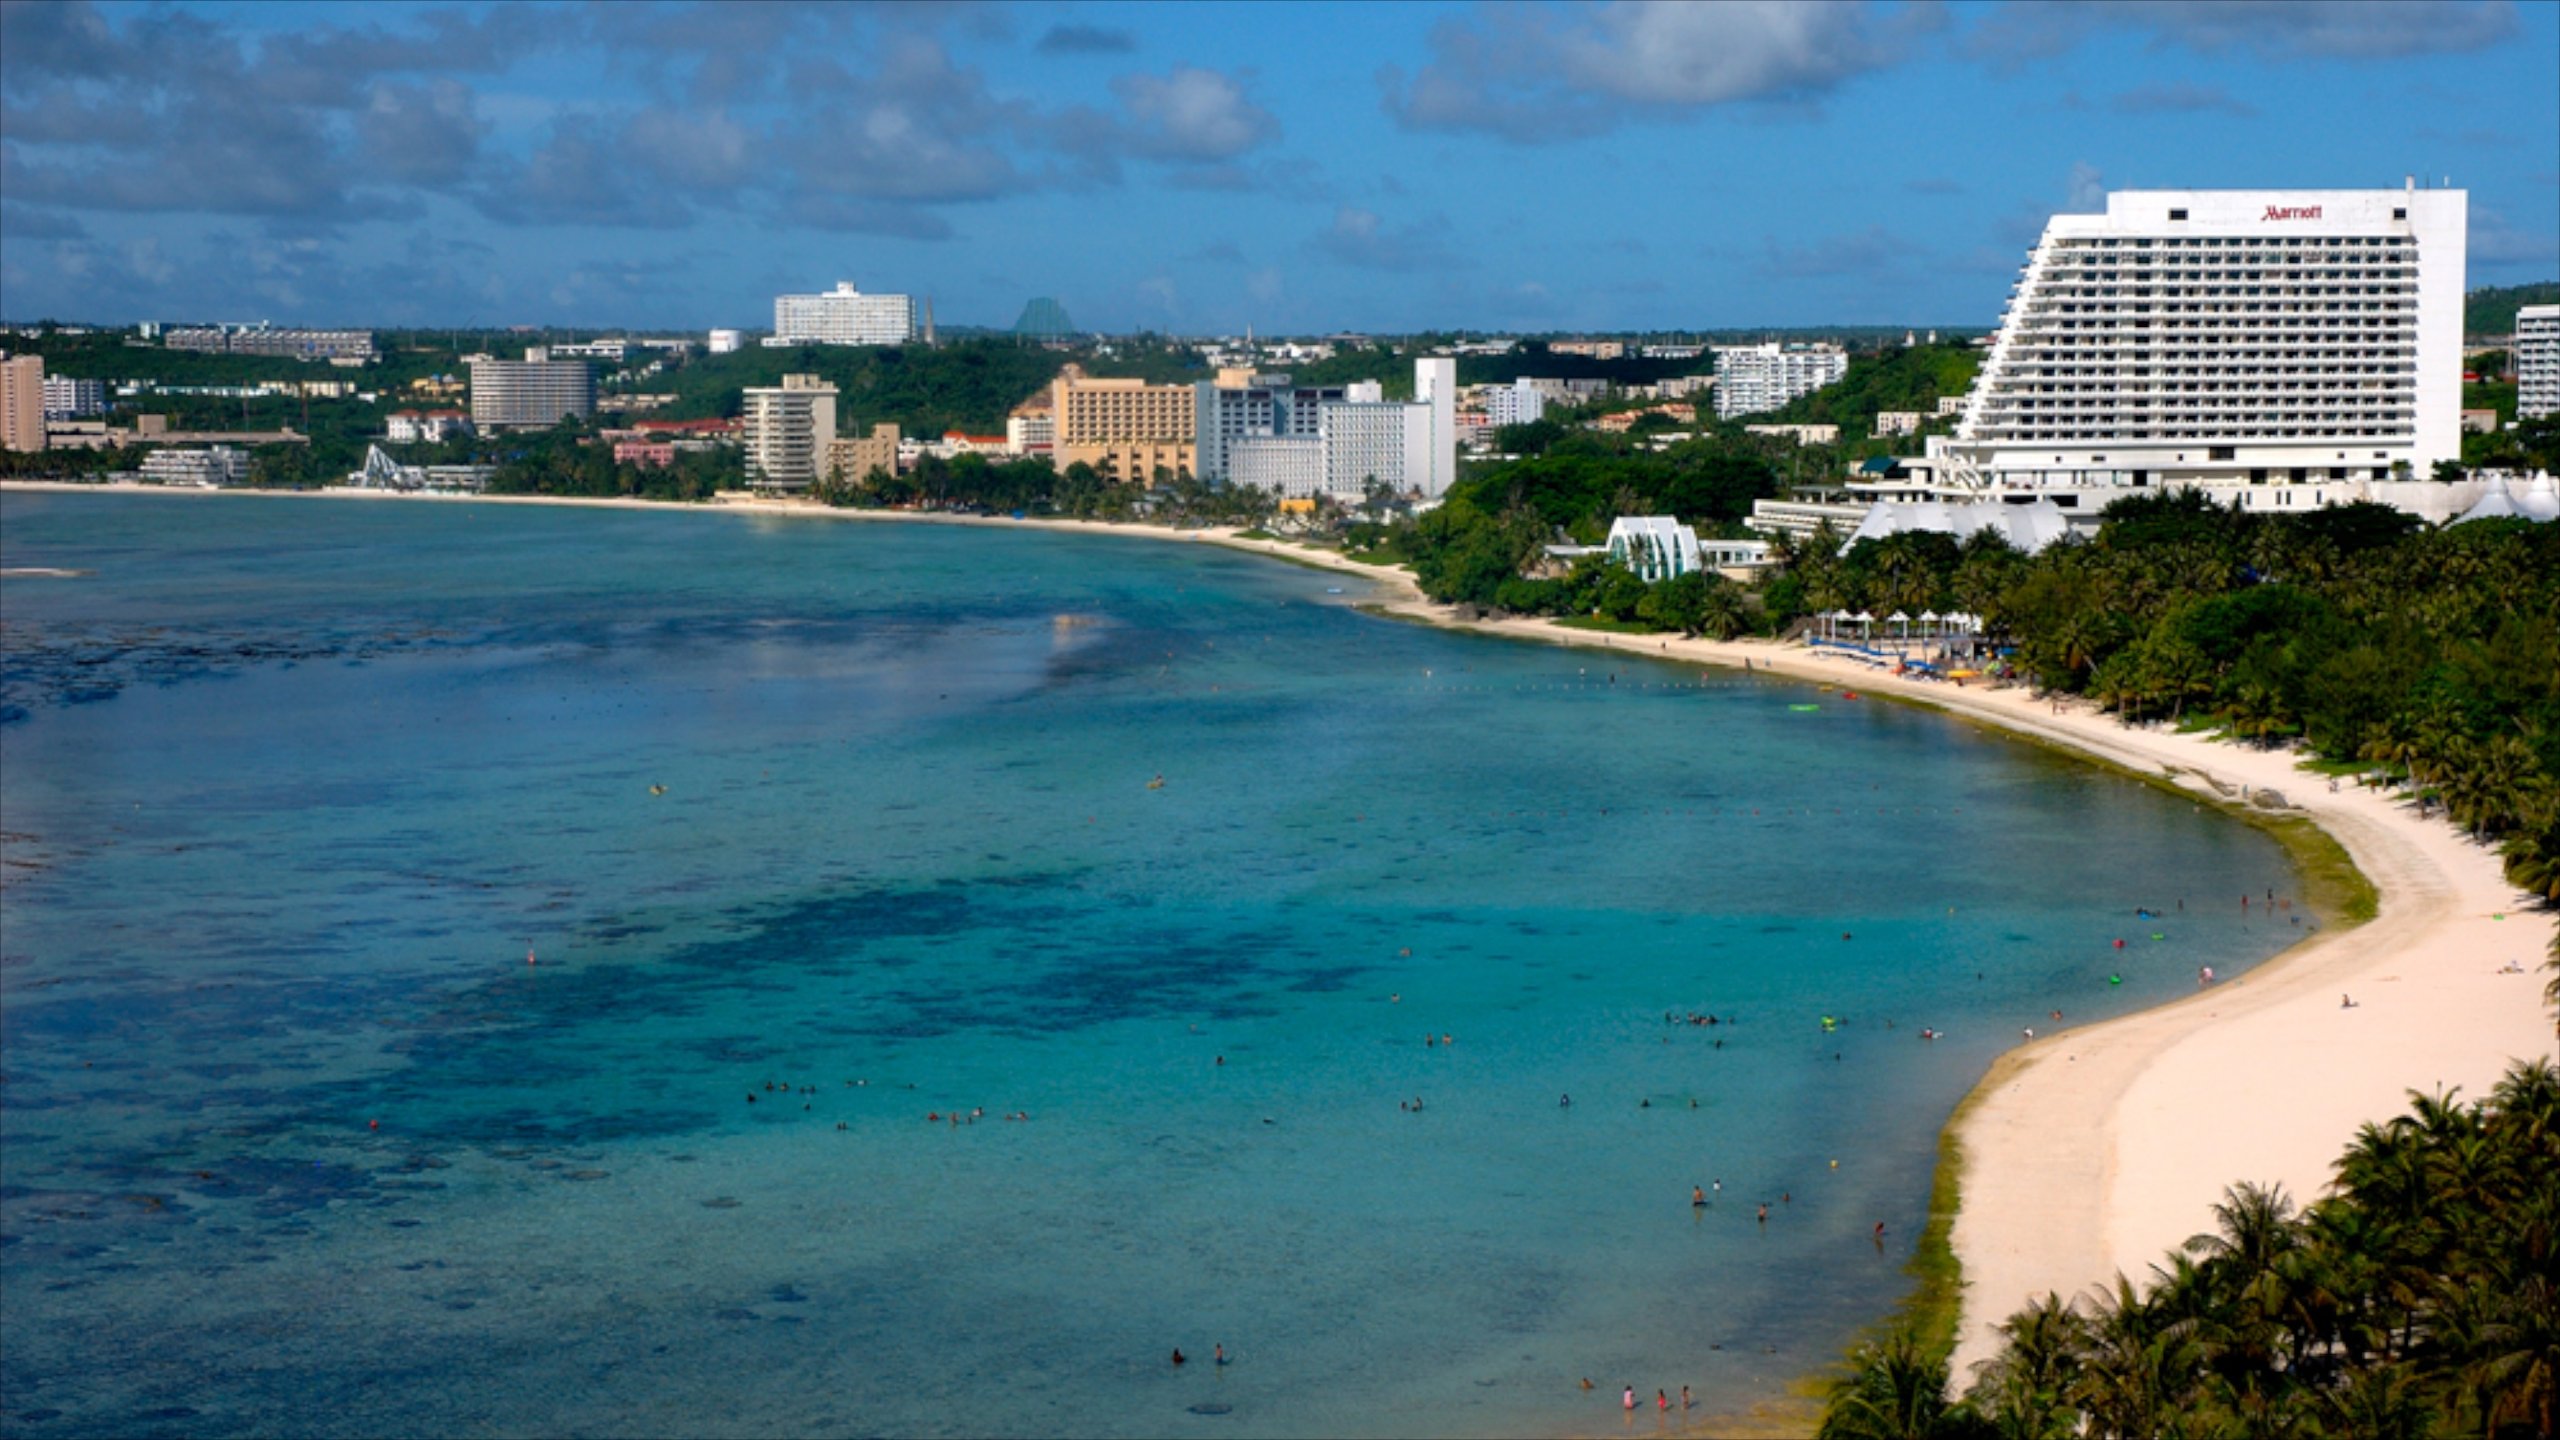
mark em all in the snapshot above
pixel 1199 169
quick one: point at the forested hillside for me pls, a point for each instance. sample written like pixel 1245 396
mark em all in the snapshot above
pixel 2491 309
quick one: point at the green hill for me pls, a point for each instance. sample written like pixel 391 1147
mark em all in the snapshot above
pixel 1913 377
pixel 2491 309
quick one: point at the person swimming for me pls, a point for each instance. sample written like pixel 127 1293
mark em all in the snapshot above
pixel 1697 1197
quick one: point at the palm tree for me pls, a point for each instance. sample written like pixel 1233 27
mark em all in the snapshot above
pixel 2384 1402
pixel 1721 613
pixel 2022 1389
pixel 1898 1391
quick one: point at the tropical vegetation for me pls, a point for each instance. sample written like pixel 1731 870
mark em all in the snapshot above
pixel 2419 1299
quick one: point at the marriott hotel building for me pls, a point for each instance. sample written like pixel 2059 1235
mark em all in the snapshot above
pixel 2225 338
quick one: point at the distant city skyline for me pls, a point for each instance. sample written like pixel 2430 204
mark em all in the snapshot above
pixel 1199 170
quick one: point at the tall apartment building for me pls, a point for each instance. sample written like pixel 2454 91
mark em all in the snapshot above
pixel 1375 442
pixel 69 399
pixel 1518 403
pixel 2537 361
pixel 1754 378
pixel 22 403
pixel 853 458
pixel 531 393
pixel 2226 338
pixel 843 316
pixel 790 431
pixel 292 344
pixel 1241 405
pixel 1435 388
pixel 1127 430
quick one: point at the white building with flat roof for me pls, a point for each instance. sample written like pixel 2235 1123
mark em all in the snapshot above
pixel 843 316
pixel 531 393
pixel 1292 469
pixel 2276 344
pixel 1384 442
pixel 1409 447
pixel 2537 361
pixel 212 467
pixel 1751 379
pixel 1240 406
pixel 788 431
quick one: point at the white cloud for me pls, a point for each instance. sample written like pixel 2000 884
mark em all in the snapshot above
pixel 1191 114
pixel 1546 73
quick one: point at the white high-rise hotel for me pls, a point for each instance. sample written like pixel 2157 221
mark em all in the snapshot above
pixel 844 316
pixel 2226 338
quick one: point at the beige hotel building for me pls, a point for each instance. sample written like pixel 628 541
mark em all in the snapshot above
pixel 1127 430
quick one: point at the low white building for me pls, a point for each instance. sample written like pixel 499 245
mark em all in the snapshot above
pixel 1655 547
pixel 1801 434
pixel 209 468
pixel 425 427
pixel 1290 469
pixel 1800 519
pixel 1031 432
pixel 722 342
pixel 1897 422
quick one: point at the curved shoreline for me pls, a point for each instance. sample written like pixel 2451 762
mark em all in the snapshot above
pixel 2095 1150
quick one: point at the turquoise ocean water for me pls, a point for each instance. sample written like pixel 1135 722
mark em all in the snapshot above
pixel 293 1140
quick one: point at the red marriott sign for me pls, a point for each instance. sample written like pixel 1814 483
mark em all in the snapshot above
pixel 2290 212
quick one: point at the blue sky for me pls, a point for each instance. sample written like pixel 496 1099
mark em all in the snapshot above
pixel 1197 169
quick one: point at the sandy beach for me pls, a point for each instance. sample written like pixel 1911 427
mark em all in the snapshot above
pixel 2094 1150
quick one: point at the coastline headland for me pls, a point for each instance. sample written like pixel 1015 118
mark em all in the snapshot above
pixel 2094 1150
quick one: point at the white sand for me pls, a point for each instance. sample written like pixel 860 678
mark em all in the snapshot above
pixel 2095 1150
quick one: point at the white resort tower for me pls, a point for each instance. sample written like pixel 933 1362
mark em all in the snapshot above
pixel 2286 348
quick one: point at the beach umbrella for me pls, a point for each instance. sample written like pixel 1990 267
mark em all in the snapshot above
pixel 1901 618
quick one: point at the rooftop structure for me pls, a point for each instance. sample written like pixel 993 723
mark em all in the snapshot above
pixel 2539 503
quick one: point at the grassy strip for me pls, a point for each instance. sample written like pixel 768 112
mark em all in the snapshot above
pixel 1606 626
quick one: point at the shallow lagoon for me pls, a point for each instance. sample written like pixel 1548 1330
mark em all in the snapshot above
pixel 292 785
